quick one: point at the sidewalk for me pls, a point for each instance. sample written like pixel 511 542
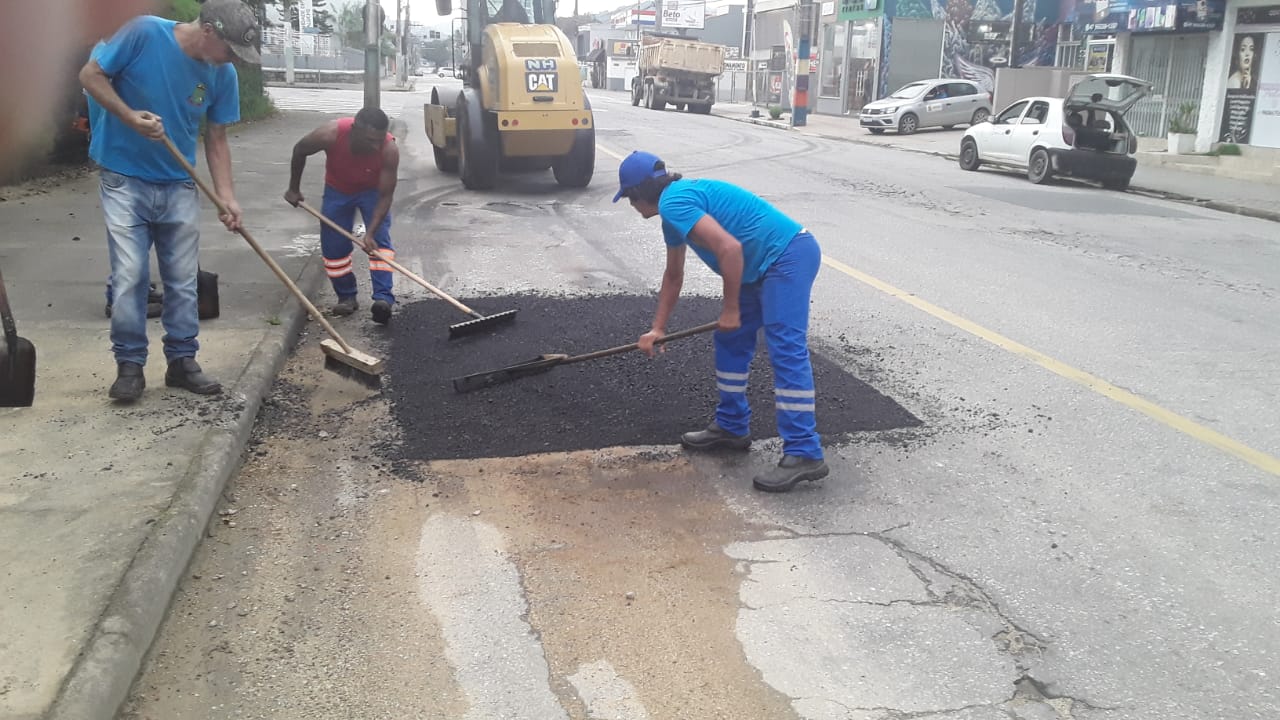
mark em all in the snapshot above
pixel 1244 197
pixel 102 505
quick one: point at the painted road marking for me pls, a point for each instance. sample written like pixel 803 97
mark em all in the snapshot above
pixel 1167 417
pixel 611 153
pixel 1257 458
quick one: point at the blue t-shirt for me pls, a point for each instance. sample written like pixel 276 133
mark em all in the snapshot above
pixel 761 228
pixel 151 72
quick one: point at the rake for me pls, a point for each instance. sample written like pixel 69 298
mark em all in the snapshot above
pixel 544 363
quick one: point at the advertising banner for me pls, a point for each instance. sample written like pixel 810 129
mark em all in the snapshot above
pixel 684 14
pixel 1242 88
pixel 1266 112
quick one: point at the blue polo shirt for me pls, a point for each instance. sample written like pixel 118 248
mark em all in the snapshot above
pixel 762 229
pixel 151 72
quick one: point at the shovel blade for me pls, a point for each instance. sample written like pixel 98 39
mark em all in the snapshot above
pixel 467 383
pixel 17 372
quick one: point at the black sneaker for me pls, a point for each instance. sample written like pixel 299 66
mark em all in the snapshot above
pixel 381 312
pixel 344 307
pixel 791 469
pixel 129 382
pixel 714 438
pixel 185 373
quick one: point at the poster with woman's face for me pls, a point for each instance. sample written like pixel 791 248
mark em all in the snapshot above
pixel 1245 53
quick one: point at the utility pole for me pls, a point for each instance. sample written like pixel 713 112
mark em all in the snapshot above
pixel 748 47
pixel 372 54
pixel 1015 29
pixel 288 42
pixel 800 98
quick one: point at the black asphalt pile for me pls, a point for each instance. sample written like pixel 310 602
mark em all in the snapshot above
pixel 622 400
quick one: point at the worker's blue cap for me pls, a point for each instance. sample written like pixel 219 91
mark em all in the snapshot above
pixel 638 167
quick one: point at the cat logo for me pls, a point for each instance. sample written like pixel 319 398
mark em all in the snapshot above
pixel 540 81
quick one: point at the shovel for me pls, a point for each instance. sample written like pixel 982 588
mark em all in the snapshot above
pixel 481 322
pixel 17 361
pixel 546 362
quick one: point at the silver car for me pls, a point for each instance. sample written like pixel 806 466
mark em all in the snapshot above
pixel 942 102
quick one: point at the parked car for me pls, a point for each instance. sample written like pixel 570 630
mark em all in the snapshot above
pixel 1083 135
pixel 942 102
pixel 445 72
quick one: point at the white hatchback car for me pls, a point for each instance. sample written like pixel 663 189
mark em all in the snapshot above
pixel 1083 135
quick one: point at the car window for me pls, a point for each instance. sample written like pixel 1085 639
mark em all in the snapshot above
pixel 960 89
pixel 1038 113
pixel 1011 113
pixel 938 93
pixel 907 92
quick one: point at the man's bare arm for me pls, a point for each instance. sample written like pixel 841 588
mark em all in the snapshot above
pixel 311 143
pixel 217 152
pixel 386 192
pixel 96 82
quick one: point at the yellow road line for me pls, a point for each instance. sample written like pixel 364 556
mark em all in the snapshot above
pixel 1177 422
pixel 611 153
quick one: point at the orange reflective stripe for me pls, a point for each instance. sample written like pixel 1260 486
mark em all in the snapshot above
pixel 339 262
pixel 375 265
pixel 338 273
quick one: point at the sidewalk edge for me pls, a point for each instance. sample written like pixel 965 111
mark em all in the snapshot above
pixel 104 672
pixel 1226 207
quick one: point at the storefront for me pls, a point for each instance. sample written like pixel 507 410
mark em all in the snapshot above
pixel 1250 103
pixel 848 55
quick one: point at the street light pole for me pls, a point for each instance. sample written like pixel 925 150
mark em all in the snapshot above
pixel 372 55
pixel 800 101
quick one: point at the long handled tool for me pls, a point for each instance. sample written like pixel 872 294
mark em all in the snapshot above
pixel 17 361
pixel 340 357
pixel 481 322
pixel 544 363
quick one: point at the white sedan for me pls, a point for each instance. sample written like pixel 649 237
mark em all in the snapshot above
pixel 1083 135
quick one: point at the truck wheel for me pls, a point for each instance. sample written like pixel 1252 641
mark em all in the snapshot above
pixel 575 169
pixel 477 143
pixel 701 109
pixel 444 161
pixel 636 93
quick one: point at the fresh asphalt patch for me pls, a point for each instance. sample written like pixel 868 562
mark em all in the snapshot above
pixel 622 400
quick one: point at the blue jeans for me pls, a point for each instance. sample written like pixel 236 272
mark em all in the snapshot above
pixel 779 303
pixel 337 249
pixel 140 214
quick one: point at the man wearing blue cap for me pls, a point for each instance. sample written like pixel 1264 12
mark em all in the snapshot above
pixel 768 263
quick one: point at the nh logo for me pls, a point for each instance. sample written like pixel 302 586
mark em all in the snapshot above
pixel 540 81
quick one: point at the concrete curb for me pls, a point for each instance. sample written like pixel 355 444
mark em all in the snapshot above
pixel 104 673
pixel 1233 208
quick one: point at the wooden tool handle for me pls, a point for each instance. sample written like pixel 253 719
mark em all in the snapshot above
pixel 275 267
pixel 636 346
pixel 6 315
pixel 412 276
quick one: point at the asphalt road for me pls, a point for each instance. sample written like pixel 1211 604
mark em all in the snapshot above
pixel 1082 526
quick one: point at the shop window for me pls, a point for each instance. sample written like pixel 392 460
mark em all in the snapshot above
pixel 832 60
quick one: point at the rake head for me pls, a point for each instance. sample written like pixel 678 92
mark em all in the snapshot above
pixel 471 327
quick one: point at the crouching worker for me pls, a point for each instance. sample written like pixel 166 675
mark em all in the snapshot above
pixel 361 161
pixel 768 263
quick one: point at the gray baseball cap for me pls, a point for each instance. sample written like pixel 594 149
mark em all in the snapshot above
pixel 234 22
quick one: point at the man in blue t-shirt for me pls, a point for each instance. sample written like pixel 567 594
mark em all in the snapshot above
pixel 768 263
pixel 156 78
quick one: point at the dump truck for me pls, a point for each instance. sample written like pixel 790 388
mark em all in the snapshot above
pixel 521 108
pixel 679 71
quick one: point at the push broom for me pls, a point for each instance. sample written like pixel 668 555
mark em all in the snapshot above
pixel 340 358
pixel 481 322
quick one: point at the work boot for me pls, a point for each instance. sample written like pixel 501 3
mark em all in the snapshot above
pixel 714 438
pixel 345 306
pixel 129 382
pixel 381 312
pixel 186 373
pixel 791 469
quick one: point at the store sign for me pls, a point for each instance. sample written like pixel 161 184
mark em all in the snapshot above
pixel 1266 15
pixel 1103 17
pixel 858 9
pixel 684 14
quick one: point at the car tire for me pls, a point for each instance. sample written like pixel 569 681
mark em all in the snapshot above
pixel 908 124
pixel 979 116
pixel 969 155
pixel 876 131
pixel 1039 167
pixel 1120 183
